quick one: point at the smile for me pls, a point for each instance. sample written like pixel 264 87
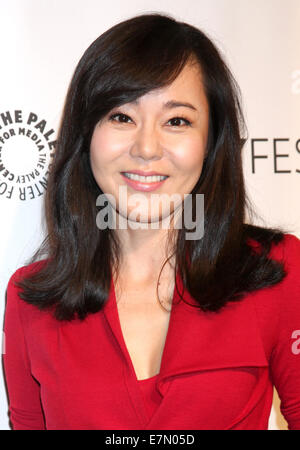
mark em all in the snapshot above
pixel 145 179
pixel 144 183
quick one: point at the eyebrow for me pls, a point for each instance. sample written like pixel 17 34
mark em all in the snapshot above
pixel 172 104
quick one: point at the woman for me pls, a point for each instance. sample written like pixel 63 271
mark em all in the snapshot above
pixel 141 326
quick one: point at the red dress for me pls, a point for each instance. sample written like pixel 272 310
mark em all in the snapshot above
pixel 217 369
pixel 150 393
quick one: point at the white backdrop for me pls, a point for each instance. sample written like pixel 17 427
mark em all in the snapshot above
pixel 41 42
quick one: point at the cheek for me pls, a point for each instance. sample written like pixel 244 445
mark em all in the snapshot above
pixel 104 148
pixel 189 156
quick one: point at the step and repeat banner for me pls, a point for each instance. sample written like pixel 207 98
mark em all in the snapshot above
pixel 41 41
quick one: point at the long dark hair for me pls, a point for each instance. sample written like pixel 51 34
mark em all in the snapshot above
pixel 127 61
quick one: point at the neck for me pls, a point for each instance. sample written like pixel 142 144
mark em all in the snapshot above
pixel 144 251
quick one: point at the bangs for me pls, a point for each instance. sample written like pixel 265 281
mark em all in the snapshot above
pixel 141 60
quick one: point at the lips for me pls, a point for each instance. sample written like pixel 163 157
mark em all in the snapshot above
pixel 143 185
pixel 144 173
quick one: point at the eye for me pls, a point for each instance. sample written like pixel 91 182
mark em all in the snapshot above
pixel 123 119
pixel 186 121
pixel 121 115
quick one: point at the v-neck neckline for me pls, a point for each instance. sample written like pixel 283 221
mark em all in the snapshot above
pixel 192 345
pixel 121 335
pixel 130 378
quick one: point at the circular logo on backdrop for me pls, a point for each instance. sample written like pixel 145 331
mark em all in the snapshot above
pixel 26 151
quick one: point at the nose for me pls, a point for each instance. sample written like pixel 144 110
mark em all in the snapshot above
pixel 146 144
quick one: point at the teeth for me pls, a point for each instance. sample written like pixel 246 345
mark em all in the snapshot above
pixel 148 179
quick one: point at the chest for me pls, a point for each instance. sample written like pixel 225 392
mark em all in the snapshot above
pixel 144 324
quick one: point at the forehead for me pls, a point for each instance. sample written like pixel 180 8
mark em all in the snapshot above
pixel 189 80
pixel 186 90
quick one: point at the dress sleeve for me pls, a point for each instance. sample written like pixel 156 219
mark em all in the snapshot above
pixel 285 357
pixel 25 410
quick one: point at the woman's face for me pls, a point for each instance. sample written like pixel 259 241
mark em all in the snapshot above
pixel 153 134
